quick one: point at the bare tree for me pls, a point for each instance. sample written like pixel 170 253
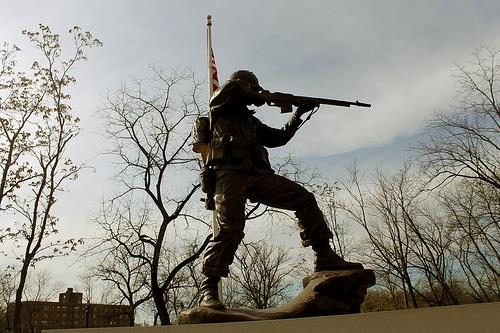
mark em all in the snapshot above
pixel 473 211
pixel 127 275
pixel 87 284
pixel 124 259
pixel 465 143
pixel 185 289
pixel 432 245
pixel 461 155
pixel 427 237
pixel 7 294
pixel 262 275
pixel 149 126
pixel 379 213
pixel 41 286
pixel 342 242
pixel 37 125
pixel 121 258
pixel 95 290
pixel 423 243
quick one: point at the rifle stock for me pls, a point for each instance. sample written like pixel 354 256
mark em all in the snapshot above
pixel 286 101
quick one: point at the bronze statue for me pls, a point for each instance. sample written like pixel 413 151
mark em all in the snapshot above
pixel 238 168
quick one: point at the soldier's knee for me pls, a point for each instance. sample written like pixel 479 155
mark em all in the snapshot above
pixel 307 203
pixel 230 233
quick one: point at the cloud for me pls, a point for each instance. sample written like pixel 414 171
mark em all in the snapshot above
pixel 400 110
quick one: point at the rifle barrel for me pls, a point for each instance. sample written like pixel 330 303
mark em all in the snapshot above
pixel 335 102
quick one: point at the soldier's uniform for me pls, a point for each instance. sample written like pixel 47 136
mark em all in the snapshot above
pixel 242 170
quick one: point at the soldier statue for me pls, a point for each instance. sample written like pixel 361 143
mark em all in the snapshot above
pixel 237 159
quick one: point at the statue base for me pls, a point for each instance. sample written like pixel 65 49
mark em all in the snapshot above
pixel 325 293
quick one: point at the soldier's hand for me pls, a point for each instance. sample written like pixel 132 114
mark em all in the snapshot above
pixel 306 107
pixel 258 99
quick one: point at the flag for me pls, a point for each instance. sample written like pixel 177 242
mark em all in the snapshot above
pixel 213 80
pixel 213 71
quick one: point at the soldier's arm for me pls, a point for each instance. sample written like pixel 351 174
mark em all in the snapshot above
pixel 276 137
pixel 273 137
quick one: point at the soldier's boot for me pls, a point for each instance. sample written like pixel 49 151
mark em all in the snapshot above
pixel 210 293
pixel 327 260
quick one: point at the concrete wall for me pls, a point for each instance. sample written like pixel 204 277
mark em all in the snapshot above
pixel 480 318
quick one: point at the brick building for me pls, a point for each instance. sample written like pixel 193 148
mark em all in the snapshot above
pixel 70 312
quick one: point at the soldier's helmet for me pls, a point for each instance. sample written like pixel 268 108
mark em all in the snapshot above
pixel 246 77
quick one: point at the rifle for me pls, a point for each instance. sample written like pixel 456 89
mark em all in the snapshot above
pixel 285 101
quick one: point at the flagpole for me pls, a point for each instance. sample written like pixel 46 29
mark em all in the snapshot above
pixel 215 226
pixel 210 64
pixel 209 57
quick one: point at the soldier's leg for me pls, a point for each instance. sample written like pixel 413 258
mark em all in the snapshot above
pixel 230 198
pixel 277 191
pixel 280 192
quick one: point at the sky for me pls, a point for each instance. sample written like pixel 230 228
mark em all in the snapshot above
pixel 397 55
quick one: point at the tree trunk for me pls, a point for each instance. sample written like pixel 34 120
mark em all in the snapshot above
pixel 161 307
pixel 19 295
pixel 131 317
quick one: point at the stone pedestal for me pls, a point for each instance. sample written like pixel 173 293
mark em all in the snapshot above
pixel 325 293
